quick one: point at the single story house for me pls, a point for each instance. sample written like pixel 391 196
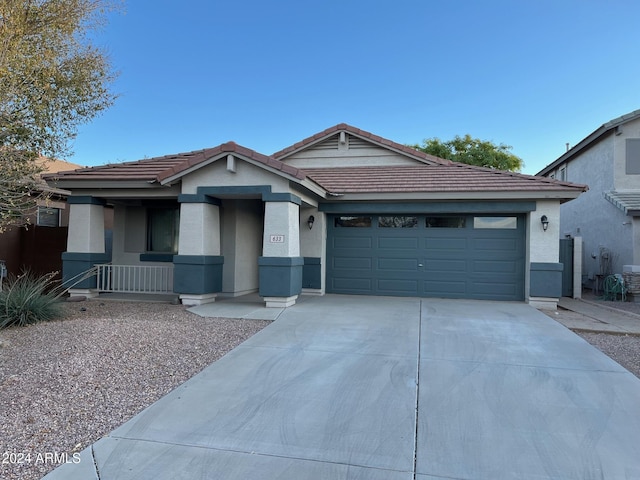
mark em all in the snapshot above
pixel 343 211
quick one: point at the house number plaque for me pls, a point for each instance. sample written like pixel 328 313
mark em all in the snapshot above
pixel 276 238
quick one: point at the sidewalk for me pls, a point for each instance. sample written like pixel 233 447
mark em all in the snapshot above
pixel 598 318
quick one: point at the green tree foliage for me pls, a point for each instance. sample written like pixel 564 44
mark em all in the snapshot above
pixel 473 151
pixel 52 79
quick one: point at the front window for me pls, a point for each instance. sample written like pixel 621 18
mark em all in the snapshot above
pixel 163 225
pixel 48 217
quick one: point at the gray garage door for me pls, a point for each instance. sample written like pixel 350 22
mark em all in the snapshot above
pixel 451 256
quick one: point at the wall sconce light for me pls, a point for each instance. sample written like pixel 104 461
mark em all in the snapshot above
pixel 310 221
pixel 545 222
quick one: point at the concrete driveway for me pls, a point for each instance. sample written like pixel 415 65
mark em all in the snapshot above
pixel 346 387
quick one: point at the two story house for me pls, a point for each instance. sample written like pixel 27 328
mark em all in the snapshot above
pixel 607 216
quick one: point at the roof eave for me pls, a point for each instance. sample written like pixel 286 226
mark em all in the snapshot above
pixel 563 195
pixel 590 139
pixel 103 184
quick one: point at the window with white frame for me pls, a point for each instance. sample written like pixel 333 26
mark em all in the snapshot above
pixel 562 173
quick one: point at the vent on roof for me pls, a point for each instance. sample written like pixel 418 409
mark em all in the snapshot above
pixel 329 144
pixel 356 143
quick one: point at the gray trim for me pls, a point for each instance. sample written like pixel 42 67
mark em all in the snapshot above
pixel 198 198
pixel 545 279
pixel 197 274
pixel 264 191
pixel 86 200
pixel 282 197
pixel 429 207
pixel 74 264
pixel 156 257
pixel 280 276
pixel 198 259
pixel 281 261
pixel 312 273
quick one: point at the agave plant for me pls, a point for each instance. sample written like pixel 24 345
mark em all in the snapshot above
pixel 28 298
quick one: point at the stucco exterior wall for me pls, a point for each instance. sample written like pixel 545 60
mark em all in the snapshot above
pixel 600 224
pixel 543 246
pixel 241 245
pixel 86 229
pixel 246 174
pixel 313 242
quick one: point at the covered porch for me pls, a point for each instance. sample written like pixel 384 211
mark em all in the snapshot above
pixel 199 246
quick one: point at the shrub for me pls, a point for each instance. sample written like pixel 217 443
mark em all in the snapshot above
pixel 27 299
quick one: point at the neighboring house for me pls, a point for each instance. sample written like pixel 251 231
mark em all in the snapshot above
pixel 607 217
pixel 38 245
pixel 343 211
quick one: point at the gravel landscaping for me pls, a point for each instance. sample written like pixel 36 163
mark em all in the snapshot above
pixel 64 384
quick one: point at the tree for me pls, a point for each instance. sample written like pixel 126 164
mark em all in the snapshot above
pixel 473 151
pixel 52 79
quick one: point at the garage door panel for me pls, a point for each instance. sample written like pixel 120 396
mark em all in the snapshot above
pixel 444 288
pixel 356 285
pixel 355 242
pixel 495 267
pixel 398 264
pixel 352 263
pixel 398 243
pixel 396 286
pixel 445 265
pixel 446 243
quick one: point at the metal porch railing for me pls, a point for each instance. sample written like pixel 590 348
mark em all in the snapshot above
pixel 135 278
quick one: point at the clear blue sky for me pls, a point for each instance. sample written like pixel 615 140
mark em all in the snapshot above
pixel 531 74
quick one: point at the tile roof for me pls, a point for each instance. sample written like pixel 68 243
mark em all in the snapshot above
pixel 343 127
pixel 455 177
pixel 159 169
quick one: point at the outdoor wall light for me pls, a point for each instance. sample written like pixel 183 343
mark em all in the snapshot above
pixel 545 222
pixel 310 221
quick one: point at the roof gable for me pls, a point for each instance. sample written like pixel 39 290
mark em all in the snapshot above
pixel 343 145
pixel 169 168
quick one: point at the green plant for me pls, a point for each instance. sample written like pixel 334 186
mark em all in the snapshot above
pixel 28 298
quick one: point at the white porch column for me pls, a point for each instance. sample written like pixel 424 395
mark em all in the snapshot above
pixel 199 229
pixel 280 267
pixel 281 230
pixel 198 265
pixel 85 245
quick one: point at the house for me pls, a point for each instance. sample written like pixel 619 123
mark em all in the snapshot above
pixel 38 246
pixel 607 217
pixel 343 211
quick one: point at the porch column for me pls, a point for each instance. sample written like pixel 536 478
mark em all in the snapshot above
pixel 85 245
pixel 280 267
pixel 197 274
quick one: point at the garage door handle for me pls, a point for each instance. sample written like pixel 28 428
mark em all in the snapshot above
pixel 420 265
